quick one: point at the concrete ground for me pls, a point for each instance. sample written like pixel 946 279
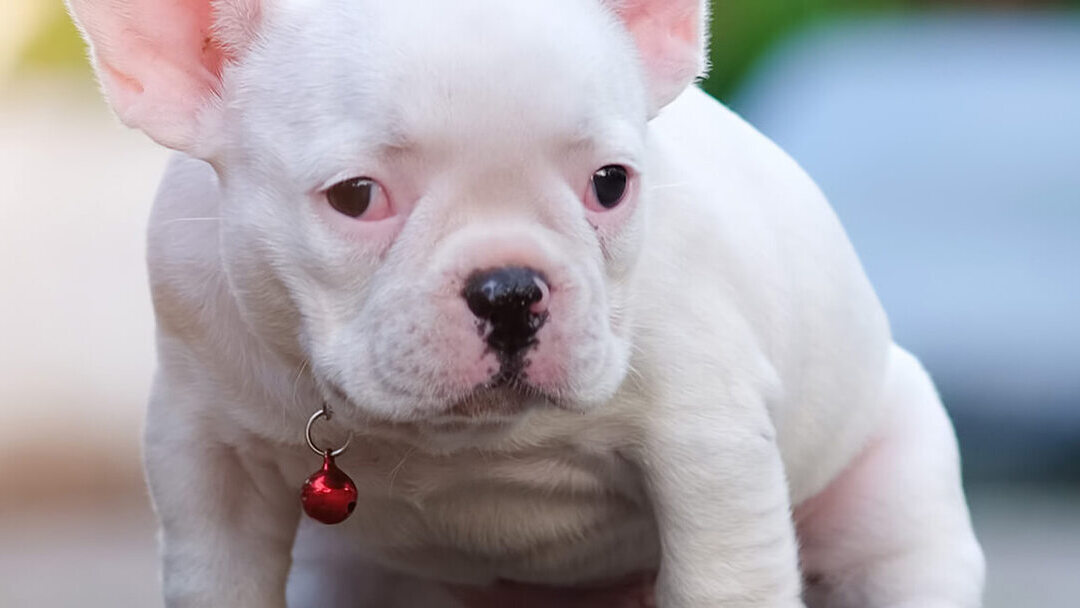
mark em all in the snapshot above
pixel 102 555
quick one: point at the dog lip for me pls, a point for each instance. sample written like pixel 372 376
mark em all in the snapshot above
pixel 502 399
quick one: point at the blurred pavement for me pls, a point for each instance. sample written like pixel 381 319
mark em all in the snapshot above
pixel 102 555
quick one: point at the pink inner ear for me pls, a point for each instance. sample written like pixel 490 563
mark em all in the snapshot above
pixel 161 61
pixel 214 54
pixel 219 30
pixel 669 37
pixel 677 19
pixel 182 31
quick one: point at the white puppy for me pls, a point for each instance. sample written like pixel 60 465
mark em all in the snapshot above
pixel 576 338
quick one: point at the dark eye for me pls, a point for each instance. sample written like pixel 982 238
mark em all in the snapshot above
pixel 352 197
pixel 609 185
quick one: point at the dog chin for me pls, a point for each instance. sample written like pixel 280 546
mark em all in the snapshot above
pixel 498 402
pixel 486 406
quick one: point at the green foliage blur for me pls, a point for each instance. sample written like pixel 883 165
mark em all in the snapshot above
pixel 56 46
pixel 742 31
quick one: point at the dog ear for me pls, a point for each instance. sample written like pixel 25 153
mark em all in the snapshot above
pixel 160 62
pixel 671 37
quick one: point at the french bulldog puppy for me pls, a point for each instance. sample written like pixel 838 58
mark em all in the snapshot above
pixel 584 324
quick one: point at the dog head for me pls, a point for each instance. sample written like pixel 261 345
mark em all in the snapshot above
pixel 436 204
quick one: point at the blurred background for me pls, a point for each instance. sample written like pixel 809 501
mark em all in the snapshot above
pixel 946 134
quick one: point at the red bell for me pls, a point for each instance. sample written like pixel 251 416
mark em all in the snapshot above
pixel 329 495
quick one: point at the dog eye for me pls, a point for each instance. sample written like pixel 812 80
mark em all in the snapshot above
pixel 609 185
pixel 353 197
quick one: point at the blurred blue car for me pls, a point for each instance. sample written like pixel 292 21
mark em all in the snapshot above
pixel 949 144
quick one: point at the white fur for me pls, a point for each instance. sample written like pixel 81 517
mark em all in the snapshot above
pixel 715 356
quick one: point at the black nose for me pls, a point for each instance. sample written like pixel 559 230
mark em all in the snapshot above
pixel 512 300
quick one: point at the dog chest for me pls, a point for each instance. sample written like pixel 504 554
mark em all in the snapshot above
pixel 553 515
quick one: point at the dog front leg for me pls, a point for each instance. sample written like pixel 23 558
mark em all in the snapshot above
pixel 227 517
pixel 719 492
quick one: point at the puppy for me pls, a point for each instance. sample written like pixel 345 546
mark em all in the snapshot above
pixel 584 323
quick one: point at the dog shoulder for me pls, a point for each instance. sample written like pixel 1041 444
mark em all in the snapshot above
pixel 747 264
pixel 734 221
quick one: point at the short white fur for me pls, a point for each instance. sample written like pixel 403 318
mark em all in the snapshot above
pixel 716 395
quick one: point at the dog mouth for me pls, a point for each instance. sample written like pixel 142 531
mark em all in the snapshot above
pixel 503 399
